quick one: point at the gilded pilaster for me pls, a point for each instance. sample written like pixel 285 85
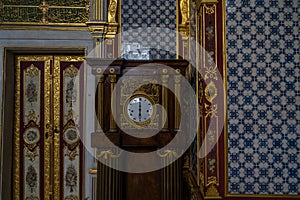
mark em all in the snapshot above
pixel 183 28
pixel 209 175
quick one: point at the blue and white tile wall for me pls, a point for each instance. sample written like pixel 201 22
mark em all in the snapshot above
pixel 138 38
pixel 263 96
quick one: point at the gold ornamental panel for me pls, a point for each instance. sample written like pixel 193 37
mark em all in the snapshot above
pixel 46 12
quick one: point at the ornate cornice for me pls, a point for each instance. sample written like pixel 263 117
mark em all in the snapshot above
pixel 97 29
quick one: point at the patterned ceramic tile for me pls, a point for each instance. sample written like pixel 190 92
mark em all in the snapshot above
pixel 263 96
pixel 137 15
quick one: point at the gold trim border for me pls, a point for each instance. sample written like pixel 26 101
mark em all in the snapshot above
pixel 17 117
pixel 31 26
pixel 16 143
pixel 56 121
pixel 47 141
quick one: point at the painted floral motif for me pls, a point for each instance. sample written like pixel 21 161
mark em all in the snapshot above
pixel 70 93
pixel 31 136
pixel 210 33
pixel 31 178
pixel 31 92
pixel 71 135
pixel 71 178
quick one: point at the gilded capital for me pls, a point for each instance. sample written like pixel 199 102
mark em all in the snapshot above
pixel 112 10
pixel 185 11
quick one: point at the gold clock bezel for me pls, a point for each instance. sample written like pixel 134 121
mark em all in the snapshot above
pixel 139 124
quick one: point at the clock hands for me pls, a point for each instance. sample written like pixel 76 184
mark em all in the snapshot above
pixel 140 109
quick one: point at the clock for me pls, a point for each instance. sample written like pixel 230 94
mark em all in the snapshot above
pixel 140 109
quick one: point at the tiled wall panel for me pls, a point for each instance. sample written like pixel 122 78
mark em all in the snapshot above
pixel 263 96
pixel 138 15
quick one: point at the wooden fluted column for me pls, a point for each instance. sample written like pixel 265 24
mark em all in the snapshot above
pixel 112 122
pixel 165 77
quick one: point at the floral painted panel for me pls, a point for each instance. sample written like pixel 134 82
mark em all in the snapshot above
pixel 71 174
pixel 71 151
pixel 71 91
pixel 31 174
pixel 32 94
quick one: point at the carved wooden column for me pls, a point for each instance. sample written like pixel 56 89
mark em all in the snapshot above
pixel 177 78
pixel 112 122
pixel 165 78
pixel 99 105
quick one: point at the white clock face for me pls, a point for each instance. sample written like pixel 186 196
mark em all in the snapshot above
pixel 140 109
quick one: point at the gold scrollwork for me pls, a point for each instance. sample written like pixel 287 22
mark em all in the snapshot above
pixel 71 71
pixel 211 72
pixel 211 91
pixel 149 87
pixel 168 153
pixel 212 180
pixel 211 110
pixel 210 9
pixel 32 71
pixel 212 191
pixel 108 154
pixel 71 154
pixel 32 154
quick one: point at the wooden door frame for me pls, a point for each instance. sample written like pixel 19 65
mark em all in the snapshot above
pixel 7 114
